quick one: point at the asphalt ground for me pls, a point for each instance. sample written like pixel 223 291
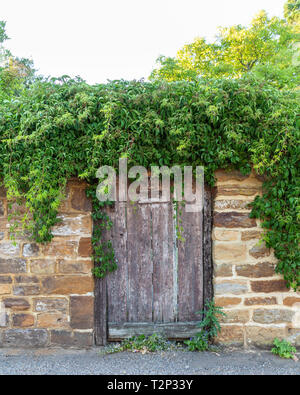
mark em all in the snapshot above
pixel 95 362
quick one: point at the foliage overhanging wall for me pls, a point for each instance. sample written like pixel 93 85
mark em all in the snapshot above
pixel 63 128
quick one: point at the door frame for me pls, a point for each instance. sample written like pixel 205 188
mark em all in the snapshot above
pixel 100 304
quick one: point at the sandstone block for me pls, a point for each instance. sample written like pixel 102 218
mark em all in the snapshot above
pixel 259 251
pixel 5 280
pixel 82 312
pixel 236 190
pixel 227 301
pixel 226 235
pixel 65 285
pixel 5 289
pixel 4 320
pixel 226 252
pixel 1 208
pixel 233 220
pixel 236 288
pixel 264 269
pixel 52 320
pixel 16 303
pixel 83 267
pixel 16 265
pixel 25 338
pixel 251 234
pixel 231 334
pixel 30 249
pixel 235 317
pixel 26 279
pixel 224 270
pixel 79 200
pixel 272 316
pixel 85 247
pixel 261 337
pixel 292 301
pixel 42 266
pixel 269 286
pixel 50 305
pixel 294 336
pixel 223 175
pixel 83 339
pixel 26 290
pixel 67 338
pixel 260 301
pixel 75 183
pixel 233 204
pixel 61 248
pixel 61 338
pixel 75 225
pixel 23 320
pixel 64 205
pixel 9 249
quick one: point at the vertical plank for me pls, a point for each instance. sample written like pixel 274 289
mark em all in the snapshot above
pixel 207 246
pixel 140 267
pixel 101 303
pixel 117 281
pixel 100 312
pixel 190 266
pixel 164 309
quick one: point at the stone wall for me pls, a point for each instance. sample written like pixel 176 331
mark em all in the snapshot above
pixel 258 305
pixel 46 291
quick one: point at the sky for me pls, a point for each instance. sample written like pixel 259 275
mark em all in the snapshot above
pixel 113 39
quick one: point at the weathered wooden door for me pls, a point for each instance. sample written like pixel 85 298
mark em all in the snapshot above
pixel 163 275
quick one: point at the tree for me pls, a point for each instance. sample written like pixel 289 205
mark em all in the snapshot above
pixel 265 48
pixel 3 35
pixel 15 73
pixel 4 53
pixel 292 13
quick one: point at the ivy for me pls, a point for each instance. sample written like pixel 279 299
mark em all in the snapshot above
pixel 57 129
pixel 103 253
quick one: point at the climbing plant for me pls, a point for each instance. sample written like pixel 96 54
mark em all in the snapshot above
pixel 60 128
pixel 103 253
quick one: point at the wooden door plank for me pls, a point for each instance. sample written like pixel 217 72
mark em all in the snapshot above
pixel 140 267
pixel 190 266
pixel 117 281
pixel 101 302
pixel 177 330
pixel 164 300
pixel 101 326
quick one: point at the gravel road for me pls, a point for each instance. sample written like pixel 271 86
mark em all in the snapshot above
pixel 92 362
